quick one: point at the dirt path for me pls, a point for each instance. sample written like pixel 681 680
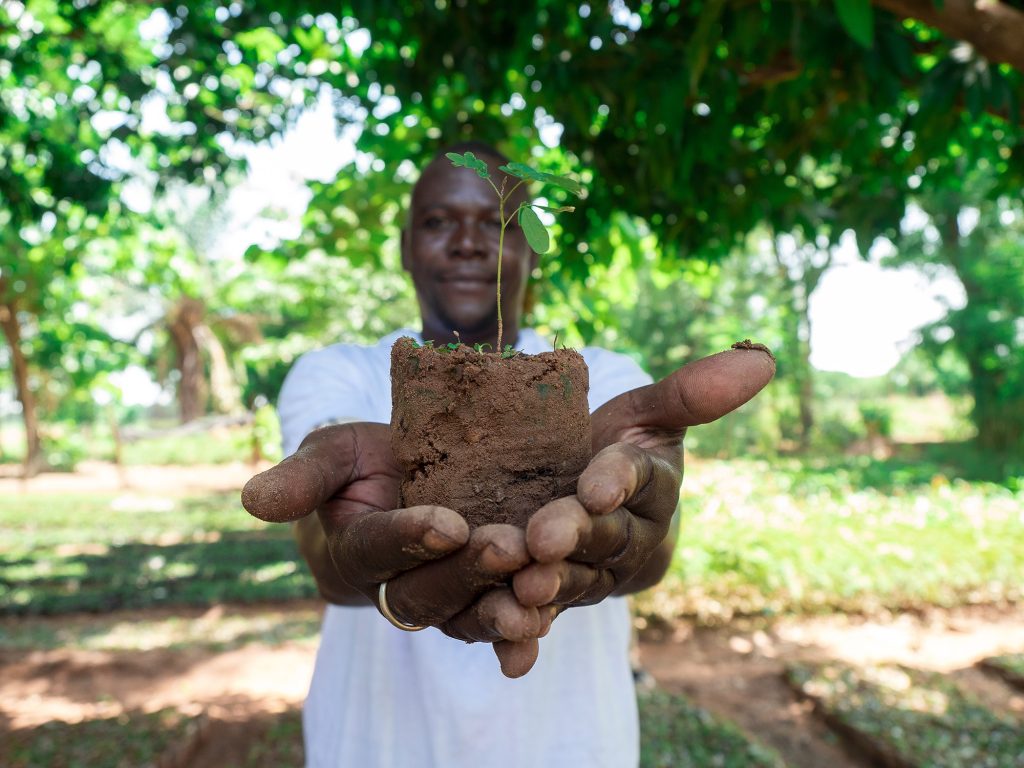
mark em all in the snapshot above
pixel 737 671
pixel 734 671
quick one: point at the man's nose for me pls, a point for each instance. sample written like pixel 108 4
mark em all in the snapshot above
pixel 469 241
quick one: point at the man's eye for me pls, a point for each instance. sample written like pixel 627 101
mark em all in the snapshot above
pixel 493 223
pixel 433 222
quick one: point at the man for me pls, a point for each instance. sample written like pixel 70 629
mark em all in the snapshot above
pixel 385 696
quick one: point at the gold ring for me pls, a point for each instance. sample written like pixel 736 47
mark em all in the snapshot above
pixel 385 609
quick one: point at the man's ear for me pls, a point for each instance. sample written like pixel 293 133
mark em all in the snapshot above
pixel 405 246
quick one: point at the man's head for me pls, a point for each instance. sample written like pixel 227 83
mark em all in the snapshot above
pixel 450 248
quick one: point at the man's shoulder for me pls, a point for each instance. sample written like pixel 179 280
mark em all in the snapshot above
pixel 606 361
pixel 346 353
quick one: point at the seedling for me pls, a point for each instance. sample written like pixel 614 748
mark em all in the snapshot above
pixel 533 228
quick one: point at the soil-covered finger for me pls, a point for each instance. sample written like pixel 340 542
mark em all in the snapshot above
pixel 697 393
pixel 707 389
pixel 376 546
pixel 437 591
pixel 563 583
pixel 294 488
pixel 596 540
pixel 327 460
pixel 626 475
pixel 495 616
pixel 516 659
pixel 554 530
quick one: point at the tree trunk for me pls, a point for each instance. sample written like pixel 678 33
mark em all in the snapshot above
pixel 997 415
pixel 182 322
pixel 34 461
pixel 798 289
pixel 994 29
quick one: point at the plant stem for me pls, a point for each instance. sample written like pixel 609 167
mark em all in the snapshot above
pixel 501 247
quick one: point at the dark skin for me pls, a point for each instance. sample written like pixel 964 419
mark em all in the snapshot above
pixel 498 583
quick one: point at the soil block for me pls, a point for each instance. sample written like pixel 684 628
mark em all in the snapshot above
pixel 492 438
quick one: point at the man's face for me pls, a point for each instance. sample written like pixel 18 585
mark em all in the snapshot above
pixel 450 248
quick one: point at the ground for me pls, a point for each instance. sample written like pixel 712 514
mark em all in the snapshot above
pixel 237 686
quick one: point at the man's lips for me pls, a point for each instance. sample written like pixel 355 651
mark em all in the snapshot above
pixel 469 279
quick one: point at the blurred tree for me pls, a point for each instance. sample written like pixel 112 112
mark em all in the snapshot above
pixel 84 87
pixel 704 120
pixel 982 240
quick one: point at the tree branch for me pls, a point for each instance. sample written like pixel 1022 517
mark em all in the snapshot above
pixel 995 29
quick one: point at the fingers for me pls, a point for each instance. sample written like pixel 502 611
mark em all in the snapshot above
pixel 563 583
pixel 516 658
pixel 494 617
pixel 435 592
pixel 625 475
pixel 564 529
pixel 697 393
pixel 328 459
pixel 370 548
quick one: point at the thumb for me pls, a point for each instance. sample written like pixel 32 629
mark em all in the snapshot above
pixel 697 393
pixel 323 464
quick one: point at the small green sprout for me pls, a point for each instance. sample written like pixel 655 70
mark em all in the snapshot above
pixel 533 228
pixel 508 352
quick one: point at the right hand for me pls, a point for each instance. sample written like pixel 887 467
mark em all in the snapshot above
pixel 438 572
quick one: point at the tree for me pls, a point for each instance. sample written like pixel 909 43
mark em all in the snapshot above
pixel 80 84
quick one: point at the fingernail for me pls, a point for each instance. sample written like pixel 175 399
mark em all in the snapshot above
pixel 438 540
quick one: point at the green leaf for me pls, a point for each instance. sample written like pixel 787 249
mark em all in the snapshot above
pixel 556 208
pixel 536 233
pixel 521 171
pixel 471 161
pixel 858 17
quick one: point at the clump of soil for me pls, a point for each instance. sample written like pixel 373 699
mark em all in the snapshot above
pixel 492 438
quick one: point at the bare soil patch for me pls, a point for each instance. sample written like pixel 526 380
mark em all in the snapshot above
pixel 737 671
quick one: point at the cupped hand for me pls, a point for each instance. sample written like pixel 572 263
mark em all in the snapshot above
pixel 613 536
pixel 438 572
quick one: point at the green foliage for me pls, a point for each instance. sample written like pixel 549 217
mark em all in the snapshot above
pixel 181 629
pixel 909 717
pixel 877 418
pixel 129 739
pixel 98 553
pixel 1010 666
pixel 858 536
pixel 858 18
pixel 523 171
pixel 676 734
pixel 536 233
pixel 471 161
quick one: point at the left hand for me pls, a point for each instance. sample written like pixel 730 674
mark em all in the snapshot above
pixel 613 536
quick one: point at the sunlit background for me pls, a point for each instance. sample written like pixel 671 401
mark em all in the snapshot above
pixel 194 195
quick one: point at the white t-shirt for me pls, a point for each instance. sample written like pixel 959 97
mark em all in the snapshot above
pixel 384 698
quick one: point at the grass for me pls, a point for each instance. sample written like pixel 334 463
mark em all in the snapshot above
pixel 906 717
pixel 216 630
pixel 676 734
pixel 761 538
pixel 126 741
pixel 64 553
pixel 1010 667
pixel 757 538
